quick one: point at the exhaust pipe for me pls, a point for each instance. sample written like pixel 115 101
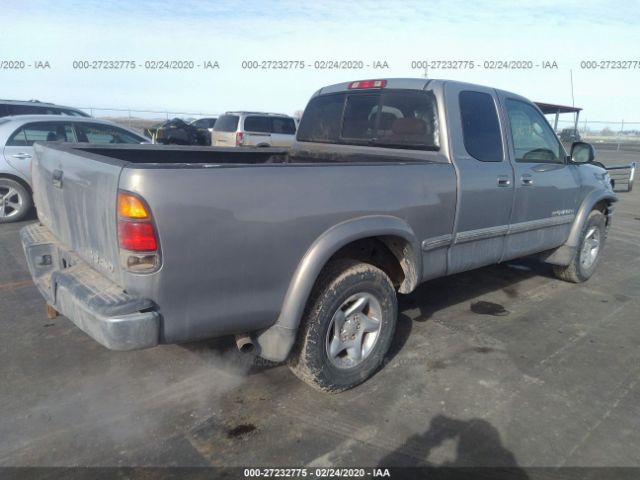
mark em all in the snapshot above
pixel 244 343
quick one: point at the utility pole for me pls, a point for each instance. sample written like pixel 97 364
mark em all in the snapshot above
pixel 573 102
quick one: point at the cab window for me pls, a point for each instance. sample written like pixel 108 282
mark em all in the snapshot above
pixel 480 126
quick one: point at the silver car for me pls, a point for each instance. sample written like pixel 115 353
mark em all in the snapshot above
pixel 35 107
pixel 254 129
pixel 17 135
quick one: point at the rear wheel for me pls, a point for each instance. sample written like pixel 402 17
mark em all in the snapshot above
pixel 589 251
pixel 347 327
pixel 15 201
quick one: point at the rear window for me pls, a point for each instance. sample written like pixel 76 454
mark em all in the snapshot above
pixel 322 119
pixel 226 123
pixel 257 124
pixel 285 126
pixel 392 118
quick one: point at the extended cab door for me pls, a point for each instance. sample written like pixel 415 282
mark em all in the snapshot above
pixel 485 177
pixel 546 187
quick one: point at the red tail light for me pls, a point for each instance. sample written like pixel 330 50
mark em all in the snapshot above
pixel 137 236
pixel 367 84
pixel 239 139
pixel 136 231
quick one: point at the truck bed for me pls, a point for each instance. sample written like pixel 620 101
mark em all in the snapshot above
pixel 179 154
pixel 232 224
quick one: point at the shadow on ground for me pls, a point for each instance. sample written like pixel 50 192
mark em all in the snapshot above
pixel 477 444
pixel 429 298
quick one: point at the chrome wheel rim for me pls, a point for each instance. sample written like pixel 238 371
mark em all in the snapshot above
pixel 10 202
pixel 354 330
pixel 590 247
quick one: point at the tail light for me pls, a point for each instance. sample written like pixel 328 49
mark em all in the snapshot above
pixel 239 139
pixel 136 234
pixel 367 84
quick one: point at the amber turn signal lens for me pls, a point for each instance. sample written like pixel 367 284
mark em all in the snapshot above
pixel 130 206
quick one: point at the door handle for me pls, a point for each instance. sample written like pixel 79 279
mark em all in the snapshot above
pixel 21 155
pixel 526 180
pixel 504 181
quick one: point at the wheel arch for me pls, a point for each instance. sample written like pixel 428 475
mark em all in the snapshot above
pixel 18 179
pixel 597 199
pixel 355 238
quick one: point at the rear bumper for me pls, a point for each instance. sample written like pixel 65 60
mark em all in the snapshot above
pixel 98 306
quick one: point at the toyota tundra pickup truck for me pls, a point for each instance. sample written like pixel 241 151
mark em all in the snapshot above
pixel 300 254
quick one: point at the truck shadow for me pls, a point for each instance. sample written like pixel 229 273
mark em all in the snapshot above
pixel 451 443
pixel 441 293
pixel 419 306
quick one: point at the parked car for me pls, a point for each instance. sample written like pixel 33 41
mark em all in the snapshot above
pixel 178 132
pixel 17 135
pixel 300 252
pixel 569 135
pixel 254 129
pixel 205 123
pixel 35 107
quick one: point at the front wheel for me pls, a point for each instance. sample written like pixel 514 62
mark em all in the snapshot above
pixel 589 251
pixel 347 327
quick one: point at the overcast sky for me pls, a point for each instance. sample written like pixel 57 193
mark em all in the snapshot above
pixel 230 32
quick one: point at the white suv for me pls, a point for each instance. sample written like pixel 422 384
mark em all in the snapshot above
pixel 254 129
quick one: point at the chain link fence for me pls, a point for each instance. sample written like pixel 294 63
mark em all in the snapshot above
pixel 142 119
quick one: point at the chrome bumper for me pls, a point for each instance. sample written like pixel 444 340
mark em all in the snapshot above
pixel 98 306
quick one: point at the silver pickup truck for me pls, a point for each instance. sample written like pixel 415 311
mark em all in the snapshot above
pixel 301 253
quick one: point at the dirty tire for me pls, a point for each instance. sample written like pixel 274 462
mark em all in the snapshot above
pixel 15 200
pixel 576 271
pixel 339 281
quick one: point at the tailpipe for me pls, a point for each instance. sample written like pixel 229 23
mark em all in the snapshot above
pixel 244 343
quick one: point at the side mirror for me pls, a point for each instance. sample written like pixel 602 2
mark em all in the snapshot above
pixel 582 152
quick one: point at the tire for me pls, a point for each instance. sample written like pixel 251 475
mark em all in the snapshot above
pixel 15 200
pixel 360 298
pixel 592 239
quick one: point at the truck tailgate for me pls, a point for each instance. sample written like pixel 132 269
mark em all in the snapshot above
pixel 75 193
